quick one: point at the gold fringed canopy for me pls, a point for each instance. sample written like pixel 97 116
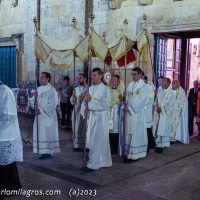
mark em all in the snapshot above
pixel 92 42
pixel 56 52
pixel 60 52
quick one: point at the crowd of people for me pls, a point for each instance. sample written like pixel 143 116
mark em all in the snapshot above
pixel 107 118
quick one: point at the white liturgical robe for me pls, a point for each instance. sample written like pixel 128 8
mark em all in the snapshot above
pixel 180 118
pixel 11 148
pixel 114 111
pixel 149 107
pixel 135 129
pixel 97 135
pixel 163 126
pixel 47 121
pixel 78 126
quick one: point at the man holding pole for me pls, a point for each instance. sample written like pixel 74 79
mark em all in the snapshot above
pixel 78 123
pixel 165 107
pixel 180 130
pixel 97 136
pixel 149 113
pixel 45 127
pixel 114 113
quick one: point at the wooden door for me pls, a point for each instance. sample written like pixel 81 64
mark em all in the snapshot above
pixel 8 65
pixel 160 56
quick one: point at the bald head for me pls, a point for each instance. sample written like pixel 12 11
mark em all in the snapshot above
pixel 175 84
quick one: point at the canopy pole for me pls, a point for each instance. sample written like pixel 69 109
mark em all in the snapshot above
pixel 91 18
pixel 37 123
pixel 86 117
pixel 74 125
pixel 38 23
pixel 125 77
pixel 124 122
pixel 104 40
pixel 149 47
pixel 74 69
pixel 74 23
pixel 150 55
pixel 126 45
pixel 37 74
pixel 37 28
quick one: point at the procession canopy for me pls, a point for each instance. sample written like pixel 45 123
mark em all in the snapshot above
pixel 120 48
pixel 56 52
pixel 144 43
pixel 142 40
pixel 93 44
pixel 60 52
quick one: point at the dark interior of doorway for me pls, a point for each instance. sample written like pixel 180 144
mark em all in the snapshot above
pixel 181 55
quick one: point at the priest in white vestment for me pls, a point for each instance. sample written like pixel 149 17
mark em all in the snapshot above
pixel 158 90
pixel 166 104
pixel 114 113
pixel 45 127
pixel 149 113
pixel 97 136
pixel 11 149
pixel 78 123
pixel 135 127
pixel 159 82
pixel 180 130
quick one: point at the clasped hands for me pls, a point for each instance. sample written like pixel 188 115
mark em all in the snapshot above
pixel 88 97
pixel 159 110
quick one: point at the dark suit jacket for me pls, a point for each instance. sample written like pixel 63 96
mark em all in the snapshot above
pixel 192 101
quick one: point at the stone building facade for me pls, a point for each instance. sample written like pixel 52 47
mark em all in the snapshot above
pixel 162 16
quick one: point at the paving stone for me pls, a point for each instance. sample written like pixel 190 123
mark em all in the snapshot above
pixel 171 175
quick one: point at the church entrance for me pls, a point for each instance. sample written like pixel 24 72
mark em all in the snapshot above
pixel 177 56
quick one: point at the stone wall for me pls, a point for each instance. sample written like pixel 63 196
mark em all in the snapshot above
pixel 161 15
pixel 56 21
pixel 56 17
pixel 14 20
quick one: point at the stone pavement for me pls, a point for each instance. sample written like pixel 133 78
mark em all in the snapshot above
pixel 173 175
